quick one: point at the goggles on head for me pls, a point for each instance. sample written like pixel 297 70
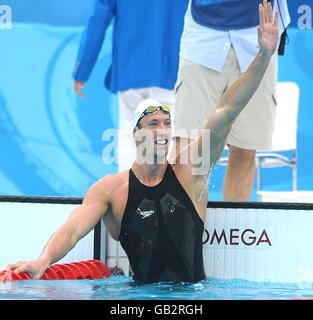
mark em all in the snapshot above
pixel 154 109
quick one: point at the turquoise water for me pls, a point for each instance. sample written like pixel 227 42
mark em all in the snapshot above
pixel 123 288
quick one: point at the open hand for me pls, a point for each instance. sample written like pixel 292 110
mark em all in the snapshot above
pixel 267 30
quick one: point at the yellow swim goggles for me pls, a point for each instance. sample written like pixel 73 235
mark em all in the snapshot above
pixel 154 109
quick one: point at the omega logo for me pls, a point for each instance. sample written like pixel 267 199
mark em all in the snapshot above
pixel 235 237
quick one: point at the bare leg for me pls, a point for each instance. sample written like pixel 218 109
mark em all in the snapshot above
pixel 240 173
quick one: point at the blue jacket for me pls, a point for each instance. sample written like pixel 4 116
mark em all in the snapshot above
pixel 146 40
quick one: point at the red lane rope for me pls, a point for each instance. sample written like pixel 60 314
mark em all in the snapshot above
pixel 89 269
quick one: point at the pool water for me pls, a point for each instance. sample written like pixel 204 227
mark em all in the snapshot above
pixel 124 288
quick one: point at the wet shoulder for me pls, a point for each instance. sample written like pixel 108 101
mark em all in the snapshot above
pixel 113 183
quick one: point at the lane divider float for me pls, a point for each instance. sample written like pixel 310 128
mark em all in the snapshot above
pixel 88 269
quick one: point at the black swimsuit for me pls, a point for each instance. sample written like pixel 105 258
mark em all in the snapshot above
pixel 161 232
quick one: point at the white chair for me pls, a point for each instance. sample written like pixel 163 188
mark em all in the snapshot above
pixel 284 135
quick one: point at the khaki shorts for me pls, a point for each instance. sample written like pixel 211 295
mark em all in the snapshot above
pixel 197 94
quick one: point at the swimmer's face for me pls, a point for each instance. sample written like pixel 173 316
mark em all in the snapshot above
pixel 157 128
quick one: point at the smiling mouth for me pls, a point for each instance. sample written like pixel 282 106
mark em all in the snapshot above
pixel 161 141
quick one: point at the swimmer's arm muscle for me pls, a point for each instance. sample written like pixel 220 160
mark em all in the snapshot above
pixel 82 220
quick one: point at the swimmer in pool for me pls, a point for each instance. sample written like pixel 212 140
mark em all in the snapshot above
pixel 158 207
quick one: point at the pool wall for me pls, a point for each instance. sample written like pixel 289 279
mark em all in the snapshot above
pixel 26 224
pixel 259 241
pixel 251 241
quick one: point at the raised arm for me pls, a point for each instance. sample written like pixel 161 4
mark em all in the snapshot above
pixel 82 220
pixel 240 92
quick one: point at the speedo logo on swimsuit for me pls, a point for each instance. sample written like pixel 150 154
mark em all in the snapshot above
pixel 145 214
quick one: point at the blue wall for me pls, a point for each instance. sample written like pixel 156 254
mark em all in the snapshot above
pixel 51 141
pixel 53 12
pixel 75 12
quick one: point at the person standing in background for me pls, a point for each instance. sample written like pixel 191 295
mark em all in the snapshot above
pixel 145 54
pixel 219 42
